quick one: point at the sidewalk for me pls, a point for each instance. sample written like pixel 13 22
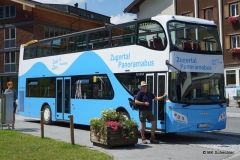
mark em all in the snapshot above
pixel 232 110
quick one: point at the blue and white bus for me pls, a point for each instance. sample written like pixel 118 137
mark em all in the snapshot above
pixel 86 72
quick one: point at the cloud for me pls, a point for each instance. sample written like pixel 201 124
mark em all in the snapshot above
pixel 61 1
pixel 121 18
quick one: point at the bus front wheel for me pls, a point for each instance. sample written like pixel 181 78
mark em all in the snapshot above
pixel 124 114
pixel 47 115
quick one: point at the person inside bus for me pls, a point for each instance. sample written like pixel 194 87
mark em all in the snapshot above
pixel 144 100
pixel 10 89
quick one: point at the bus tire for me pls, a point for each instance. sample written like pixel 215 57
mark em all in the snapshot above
pixel 123 113
pixel 47 115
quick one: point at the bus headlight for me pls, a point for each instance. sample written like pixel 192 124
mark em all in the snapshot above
pixel 222 117
pixel 179 117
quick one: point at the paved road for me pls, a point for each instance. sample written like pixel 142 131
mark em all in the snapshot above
pixel 206 145
pixel 232 126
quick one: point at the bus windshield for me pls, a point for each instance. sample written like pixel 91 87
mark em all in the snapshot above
pixel 194 37
pixel 196 88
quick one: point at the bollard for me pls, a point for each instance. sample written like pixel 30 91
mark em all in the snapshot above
pixel 1 112
pixel 71 128
pixel 42 125
pixel 227 100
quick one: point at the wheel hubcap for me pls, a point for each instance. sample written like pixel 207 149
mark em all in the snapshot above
pixel 125 116
pixel 46 114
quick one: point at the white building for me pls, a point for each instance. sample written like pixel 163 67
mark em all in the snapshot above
pixel 150 8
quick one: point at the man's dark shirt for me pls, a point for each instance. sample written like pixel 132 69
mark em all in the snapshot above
pixel 145 97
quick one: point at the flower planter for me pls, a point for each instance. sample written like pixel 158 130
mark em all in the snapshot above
pixel 113 130
pixel 235 50
pixel 232 19
pixel 112 138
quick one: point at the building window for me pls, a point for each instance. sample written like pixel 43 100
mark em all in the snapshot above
pixel 208 14
pixel 9 37
pixel 53 32
pixel 231 77
pixel 1 13
pixel 10 62
pixel 56 32
pixel 7 11
pixel 46 32
pixel 189 14
pixel 233 9
pixel 186 15
pixel 235 41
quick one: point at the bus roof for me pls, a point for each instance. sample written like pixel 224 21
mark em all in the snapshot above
pixel 185 19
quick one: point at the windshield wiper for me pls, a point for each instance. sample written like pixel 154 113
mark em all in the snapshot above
pixel 216 100
pixel 186 105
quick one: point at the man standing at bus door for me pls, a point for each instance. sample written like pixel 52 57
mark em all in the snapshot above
pixel 144 100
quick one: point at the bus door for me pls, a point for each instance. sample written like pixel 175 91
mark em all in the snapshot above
pixel 161 89
pixel 63 97
pixel 157 85
pixel 150 82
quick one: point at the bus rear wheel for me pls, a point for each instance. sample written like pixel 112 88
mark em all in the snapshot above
pixel 47 115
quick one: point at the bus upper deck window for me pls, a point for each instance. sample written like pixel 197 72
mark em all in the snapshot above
pixel 152 35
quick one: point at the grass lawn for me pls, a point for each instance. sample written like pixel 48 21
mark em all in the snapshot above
pixel 16 145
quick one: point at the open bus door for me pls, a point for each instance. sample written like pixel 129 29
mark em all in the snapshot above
pixel 63 98
pixel 157 84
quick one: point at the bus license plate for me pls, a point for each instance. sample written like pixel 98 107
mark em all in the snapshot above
pixel 203 125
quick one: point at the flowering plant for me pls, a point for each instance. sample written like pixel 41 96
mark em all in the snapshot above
pixel 234 50
pixel 232 19
pixel 128 130
pixel 113 124
pixel 96 126
pixel 110 114
pixel 110 117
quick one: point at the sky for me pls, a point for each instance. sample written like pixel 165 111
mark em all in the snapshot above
pixel 111 8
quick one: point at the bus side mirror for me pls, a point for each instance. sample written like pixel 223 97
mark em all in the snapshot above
pixel 179 78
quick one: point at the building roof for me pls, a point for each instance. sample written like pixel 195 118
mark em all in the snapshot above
pixel 67 9
pixel 133 7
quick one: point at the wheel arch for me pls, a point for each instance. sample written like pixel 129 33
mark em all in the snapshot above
pixel 44 104
pixel 123 109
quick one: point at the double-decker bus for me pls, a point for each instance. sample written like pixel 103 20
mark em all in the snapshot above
pixel 86 72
